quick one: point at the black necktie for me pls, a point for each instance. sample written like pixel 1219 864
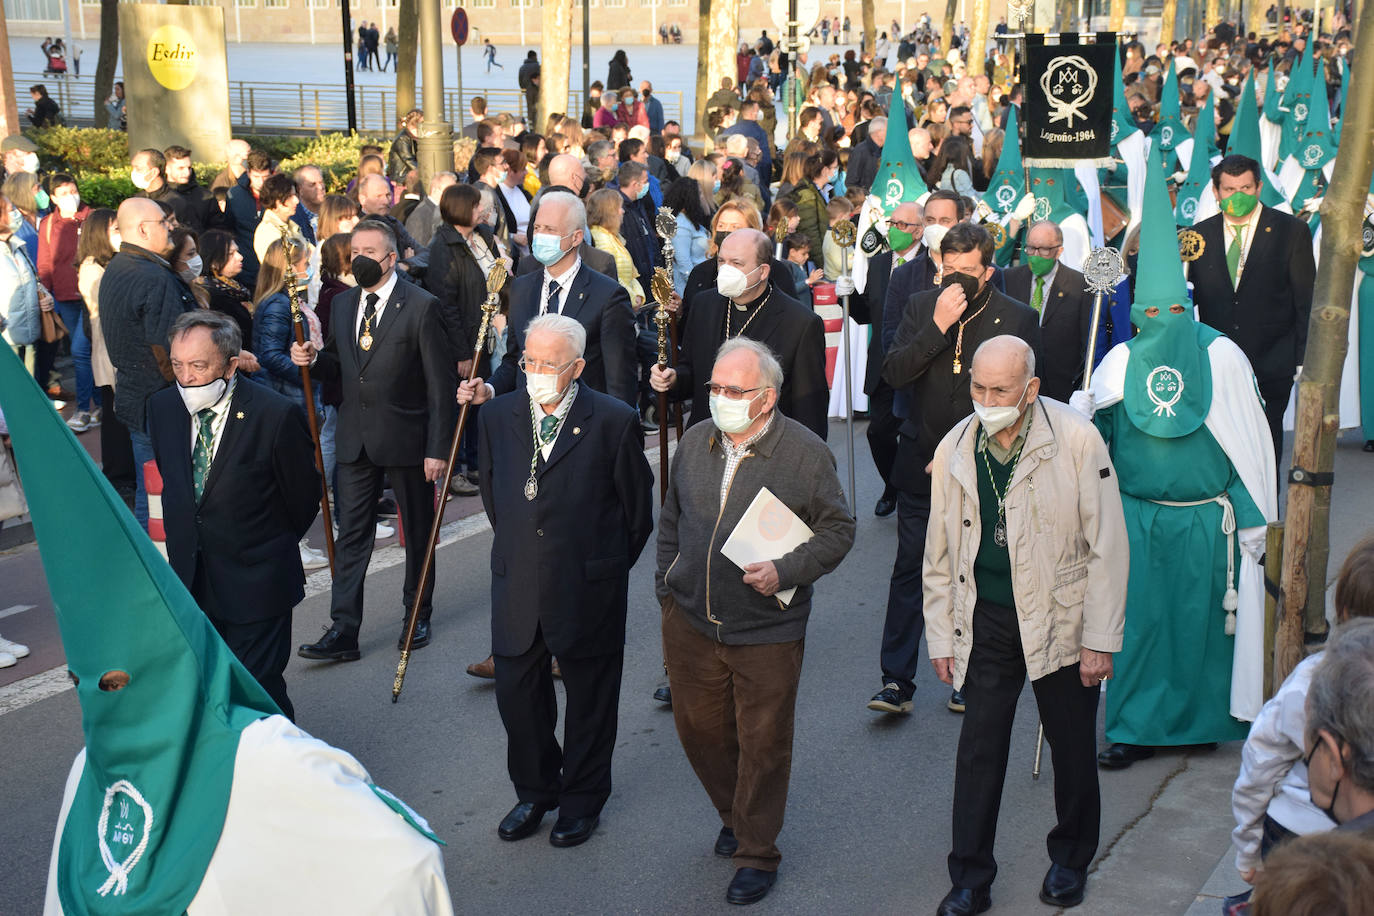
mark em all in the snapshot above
pixel 369 312
pixel 551 301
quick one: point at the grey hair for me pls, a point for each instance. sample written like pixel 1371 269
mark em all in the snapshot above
pixel 577 211
pixel 570 329
pixel 770 369
pixel 1001 340
pixel 224 331
pixel 1340 698
pixel 1059 233
pixel 372 224
pixel 875 123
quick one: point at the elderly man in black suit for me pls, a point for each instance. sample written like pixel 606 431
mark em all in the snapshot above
pixel 568 287
pixel 745 303
pixel 567 173
pixel 1253 283
pixel 1060 295
pixel 240 490
pixel 388 348
pixel 570 498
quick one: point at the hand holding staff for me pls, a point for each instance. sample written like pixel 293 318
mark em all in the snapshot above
pixel 662 289
pixel 291 248
pixel 496 279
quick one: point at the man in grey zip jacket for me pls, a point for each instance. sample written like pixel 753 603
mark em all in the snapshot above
pixel 733 646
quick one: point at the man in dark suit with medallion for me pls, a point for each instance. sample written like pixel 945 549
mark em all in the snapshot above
pixel 388 348
pixel 1060 296
pixel 570 497
pixel 240 490
pixel 1253 282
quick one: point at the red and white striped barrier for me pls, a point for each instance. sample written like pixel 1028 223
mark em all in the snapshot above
pixel 152 482
pixel 826 305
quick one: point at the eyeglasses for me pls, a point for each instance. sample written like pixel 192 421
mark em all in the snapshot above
pixel 731 392
pixel 1043 251
pixel 541 367
pixel 165 221
pixel 905 227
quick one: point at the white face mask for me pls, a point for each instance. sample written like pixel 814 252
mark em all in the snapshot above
pixel 31 163
pixel 731 416
pixel 115 241
pixel 933 235
pixel 140 180
pixel 67 204
pixel 200 397
pixel 194 265
pixel 543 389
pixel 996 419
pixel 731 282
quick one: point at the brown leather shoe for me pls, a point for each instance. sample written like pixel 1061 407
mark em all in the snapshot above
pixel 483 669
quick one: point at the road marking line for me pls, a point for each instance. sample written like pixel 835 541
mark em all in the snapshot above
pixel 54 681
pixel 17 609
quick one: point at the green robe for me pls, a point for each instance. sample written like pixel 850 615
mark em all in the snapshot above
pixel 1171 681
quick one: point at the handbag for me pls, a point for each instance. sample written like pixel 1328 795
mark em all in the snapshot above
pixel 53 329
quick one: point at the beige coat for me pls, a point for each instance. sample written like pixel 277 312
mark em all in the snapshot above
pixel 1066 536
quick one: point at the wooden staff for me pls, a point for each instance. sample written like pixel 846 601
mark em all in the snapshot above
pixel 290 249
pixel 496 279
pixel 662 288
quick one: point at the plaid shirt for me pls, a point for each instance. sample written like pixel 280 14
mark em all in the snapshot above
pixel 734 454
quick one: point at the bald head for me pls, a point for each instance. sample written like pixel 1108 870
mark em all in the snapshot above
pixel 746 249
pixel 374 195
pixel 1004 358
pixel 236 152
pixel 566 170
pixel 1045 235
pixel 141 222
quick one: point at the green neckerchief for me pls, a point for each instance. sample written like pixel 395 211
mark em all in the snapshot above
pixel 147 812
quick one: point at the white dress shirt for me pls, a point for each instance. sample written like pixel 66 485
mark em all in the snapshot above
pixel 564 281
pixel 1247 230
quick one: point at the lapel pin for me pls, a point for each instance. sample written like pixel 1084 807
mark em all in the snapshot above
pixel 577 430
pixel 239 415
pixel 997 321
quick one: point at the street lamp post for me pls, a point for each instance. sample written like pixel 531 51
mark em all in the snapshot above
pixel 435 143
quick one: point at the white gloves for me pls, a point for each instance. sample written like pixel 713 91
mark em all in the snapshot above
pixel 984 211
pixel 1252 545
pixel 1313 204
pixel 844 286
pixel 1179 177
pixel 1084 403
pixel 1025 208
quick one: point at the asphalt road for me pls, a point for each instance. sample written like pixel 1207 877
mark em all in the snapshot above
pixel 869 815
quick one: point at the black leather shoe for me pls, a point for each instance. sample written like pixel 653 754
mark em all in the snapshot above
pixel 664 695
pixel 726 844
pixel 1120 756
pixel 885 507
pixel 572 831
pixel 336 645
pixel 963 901
pixel 523 820
pixel 421 638
pixel 1063 886
pixel 956 701
pixel 890 699
pixel 750 885
pixel 1369 445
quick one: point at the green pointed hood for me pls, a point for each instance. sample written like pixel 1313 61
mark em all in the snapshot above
pixel 898 180
pixel 1170 132
pixel 1168 375
pixel 1314 149
pixel 1122 124
pixel 148 810
pixel 1245 140
pixel 1199 170
pixel 1008 184
pixel 1058 194
pixel 1297 98
pixel 1273 99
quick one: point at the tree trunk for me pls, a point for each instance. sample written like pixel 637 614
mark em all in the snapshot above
pixel 1254 17
pixel 1306 543
pixel 871 30
pixel 1167 21
pixel 555 73
pixel 703 59
pixel 1118 17
pixel 946 27
pixel 1212 16
pixel 9 110
pixel 105 63
pixel 975 55
pixel 724 34
pixel 1064 13
pixel 407 55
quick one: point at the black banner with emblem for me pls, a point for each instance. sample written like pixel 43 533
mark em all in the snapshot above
pixel 1068 102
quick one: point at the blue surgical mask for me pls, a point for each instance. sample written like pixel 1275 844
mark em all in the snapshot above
pixel 16 219
pixel 547 248
pixel 642 191
pixel 715 188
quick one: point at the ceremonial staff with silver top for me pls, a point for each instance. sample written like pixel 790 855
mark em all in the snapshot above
pixel 290 244
pixel 665 224
pixel 496 279
pixel 844 233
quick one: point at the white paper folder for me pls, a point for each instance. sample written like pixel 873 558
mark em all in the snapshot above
pixel 769 530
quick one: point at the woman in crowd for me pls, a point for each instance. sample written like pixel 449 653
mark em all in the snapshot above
pixel 97 245
pixel 187 263
pixel 534 149
pixel 604 216
pixel 810 197
pixel 693 236
pixel 733 184
pixel 19 290
pixel 953 167
pixel 517 200
pixel 605 117
pixel 223 262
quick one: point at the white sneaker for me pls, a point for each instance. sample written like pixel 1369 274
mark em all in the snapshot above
pixel 96 416
pixel 7 660
pixel 307 549
pixel 311 560
pixel 18 650
pixel 384 531
pixel 79 422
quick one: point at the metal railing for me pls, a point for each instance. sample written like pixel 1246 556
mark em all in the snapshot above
pixel 264 107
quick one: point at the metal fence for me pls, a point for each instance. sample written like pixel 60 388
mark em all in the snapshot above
pixel 266 107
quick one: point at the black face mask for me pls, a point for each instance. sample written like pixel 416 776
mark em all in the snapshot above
pixel 720 238
pixel 367 271
pixel 954 278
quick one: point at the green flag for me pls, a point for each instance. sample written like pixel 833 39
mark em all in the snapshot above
pixel 1199 169
pixel 1245 141
pixel 1008 183
pixel 899 179
pixel 163 700
pixel 1168 375
pixel 1170 132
